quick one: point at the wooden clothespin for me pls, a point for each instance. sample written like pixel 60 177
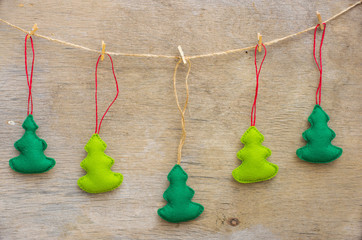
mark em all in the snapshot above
pixel 103 50
pixel 182 54
pixel 321 25
pixel 260 42
pixel 33 30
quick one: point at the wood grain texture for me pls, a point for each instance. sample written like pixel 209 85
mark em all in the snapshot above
pixel 142 129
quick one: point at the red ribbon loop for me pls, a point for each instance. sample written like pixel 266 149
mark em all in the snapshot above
pixel 319 66
pixel 29 81
pixel 98 128
pixel 253 109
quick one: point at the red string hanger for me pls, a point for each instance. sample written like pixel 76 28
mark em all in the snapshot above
pixel 98 127
pixel 319 66
pixel 29 80
pixel 253 109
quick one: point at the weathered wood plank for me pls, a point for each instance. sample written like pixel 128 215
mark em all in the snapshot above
pixel 142 130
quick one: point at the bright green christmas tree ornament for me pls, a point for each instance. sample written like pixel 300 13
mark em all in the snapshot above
pixel 254 167
pixel 31 148
pixel 319 136
pixel 179 208
pixel 97 164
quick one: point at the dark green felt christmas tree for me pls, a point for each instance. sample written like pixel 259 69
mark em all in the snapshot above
pixel 179 208
pixel 319 136
pixel 31 148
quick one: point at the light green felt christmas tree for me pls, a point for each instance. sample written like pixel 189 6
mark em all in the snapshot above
pixel 31 148
pixel 254 166
pixel 179 208
pixel 97 164
pixel 319 136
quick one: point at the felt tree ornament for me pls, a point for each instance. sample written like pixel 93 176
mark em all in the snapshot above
pixel 97 164
pixel 254 166
pixel 179 207
pixel 30 146
pixel 99 178
pixel 319 136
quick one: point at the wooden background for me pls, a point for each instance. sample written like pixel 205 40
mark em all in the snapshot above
pixel 142 129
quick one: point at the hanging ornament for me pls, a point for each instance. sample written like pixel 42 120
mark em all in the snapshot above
pixel 30 146
pixel 99 178
pixel 319 136
pixel 254 166
pixel 178 195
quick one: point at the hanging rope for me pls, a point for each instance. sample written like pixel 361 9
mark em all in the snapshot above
pixel 177 57
pixel 182 111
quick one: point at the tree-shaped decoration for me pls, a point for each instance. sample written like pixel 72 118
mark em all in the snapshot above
pixel 179 208
pixel 97 164
pixel 319 136
pixel 254 167
pixel 178 195
pixel 31 148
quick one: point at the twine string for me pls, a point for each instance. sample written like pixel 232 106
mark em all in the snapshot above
pixel 29 81
pixel 98 128
pixel 177 57
pixel 318 94
pixel 181 110
pixel 253 109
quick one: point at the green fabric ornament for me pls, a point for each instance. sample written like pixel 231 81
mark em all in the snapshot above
pixel 254 167
pixel 31 148
pixel 319 136
pixel 180 208
pixel 97 164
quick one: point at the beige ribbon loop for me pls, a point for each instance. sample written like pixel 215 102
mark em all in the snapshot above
pixel 182 110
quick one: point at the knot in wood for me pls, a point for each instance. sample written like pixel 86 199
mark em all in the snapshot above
pixel 233 221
